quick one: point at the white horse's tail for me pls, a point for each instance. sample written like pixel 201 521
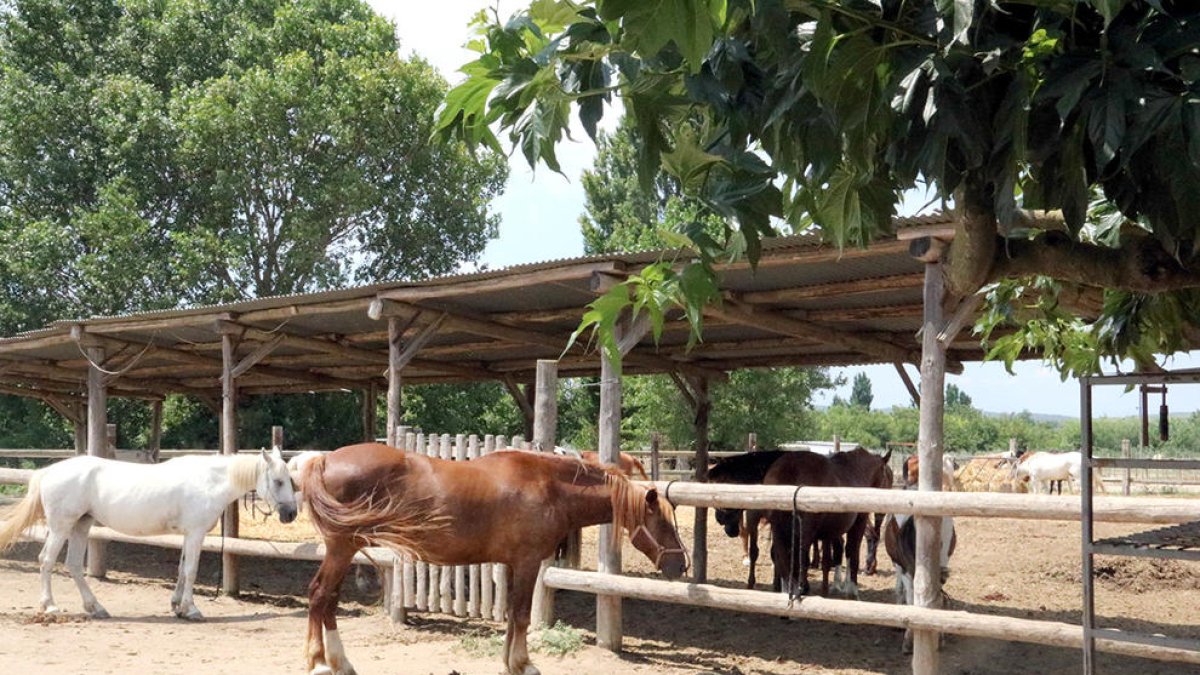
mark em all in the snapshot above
pixel 29 512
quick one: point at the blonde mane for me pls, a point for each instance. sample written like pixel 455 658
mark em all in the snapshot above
pixel 244 471
pixel 628 503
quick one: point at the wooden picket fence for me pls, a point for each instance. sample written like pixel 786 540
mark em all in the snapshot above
pixel 461 590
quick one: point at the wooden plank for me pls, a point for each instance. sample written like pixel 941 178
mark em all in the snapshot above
pixel 856 612
pixel 408 567
pixel 500 571
pixel 421 568
pixel 460 571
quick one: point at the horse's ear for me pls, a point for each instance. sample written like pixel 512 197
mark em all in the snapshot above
pixel 263 453
pixel 887 455
pixel 652 497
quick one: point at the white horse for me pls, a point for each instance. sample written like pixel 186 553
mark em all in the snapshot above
pixel 185 495
pixel 1046 467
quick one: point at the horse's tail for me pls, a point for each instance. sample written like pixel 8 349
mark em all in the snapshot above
pixel 29 512
pixel 380 517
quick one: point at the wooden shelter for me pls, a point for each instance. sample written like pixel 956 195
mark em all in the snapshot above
pixel 805 304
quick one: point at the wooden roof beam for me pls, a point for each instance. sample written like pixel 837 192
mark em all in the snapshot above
pixel 836 289
pixel 515 281
pixel 882 350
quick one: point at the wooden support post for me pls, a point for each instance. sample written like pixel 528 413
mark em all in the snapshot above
pixel 654 442
pixel 156 420
pixel 1126 453
pixel 97 440
pixel 608 607
pixel 81 437
pixel 110 440
pixel 368 412
pixel 545 435
pixel 402 567
pixel 751 442
pixel 230 584
pixel 700 525
pixel 927 579
pixel 908 384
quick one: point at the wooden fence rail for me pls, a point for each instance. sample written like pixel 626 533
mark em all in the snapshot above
pixel 857 612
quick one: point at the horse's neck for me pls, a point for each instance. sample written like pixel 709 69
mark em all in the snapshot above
pixel 243 474
pixel 592 504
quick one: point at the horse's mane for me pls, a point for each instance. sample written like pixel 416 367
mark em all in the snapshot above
pixel 243 472
pixel 379 517
pixel 628 500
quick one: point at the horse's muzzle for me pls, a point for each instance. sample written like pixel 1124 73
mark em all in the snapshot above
pixel 673 565
pixel 732 529
pixel 287 513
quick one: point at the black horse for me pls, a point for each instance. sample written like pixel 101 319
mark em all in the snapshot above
pixel 749 469
pixel 745 469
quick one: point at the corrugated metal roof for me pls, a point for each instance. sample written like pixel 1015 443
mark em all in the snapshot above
pixel 499 329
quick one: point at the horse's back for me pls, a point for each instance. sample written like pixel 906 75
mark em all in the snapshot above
pixel 801 468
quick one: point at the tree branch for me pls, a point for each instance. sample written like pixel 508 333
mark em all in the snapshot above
pixel 1140 266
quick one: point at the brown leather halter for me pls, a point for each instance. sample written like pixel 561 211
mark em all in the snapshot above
pixel 659 550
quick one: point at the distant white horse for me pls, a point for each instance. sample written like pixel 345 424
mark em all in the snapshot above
pixel 1047 467
pixel 185 495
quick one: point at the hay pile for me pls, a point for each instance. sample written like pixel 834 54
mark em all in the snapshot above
pixel 987 473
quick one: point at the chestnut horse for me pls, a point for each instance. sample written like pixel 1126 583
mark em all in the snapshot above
pixel 510 507
pixel 856 468
pixel 627 464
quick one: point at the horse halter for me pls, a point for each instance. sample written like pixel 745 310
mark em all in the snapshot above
pixel 642 532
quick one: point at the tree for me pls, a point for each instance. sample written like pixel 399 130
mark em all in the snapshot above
pixel 860 392
pixel 956 398
pixel 159 153
pixel 819 112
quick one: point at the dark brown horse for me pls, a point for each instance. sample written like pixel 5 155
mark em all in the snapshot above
pixel 509 507
pixel 856 468
pixel 747 469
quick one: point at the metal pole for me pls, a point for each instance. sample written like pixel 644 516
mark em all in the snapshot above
pixel 1085 492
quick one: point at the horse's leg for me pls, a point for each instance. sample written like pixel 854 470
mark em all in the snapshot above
pixel 177 595
pixel 189 564
pixel 826 558
pixel 75 550
pixel 520 599
pixel 323 646
pixel 752 520
pixel 854 537
pixel 744 535
pixel 55 539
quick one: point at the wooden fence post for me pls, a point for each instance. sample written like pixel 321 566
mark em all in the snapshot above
pixel 97 436
pixel 654 441
pixel 1126 453
pixel 230 584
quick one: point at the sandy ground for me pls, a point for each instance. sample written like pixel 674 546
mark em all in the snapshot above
pixel 1015 568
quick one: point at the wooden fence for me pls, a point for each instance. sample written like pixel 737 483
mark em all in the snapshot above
pixel 452 589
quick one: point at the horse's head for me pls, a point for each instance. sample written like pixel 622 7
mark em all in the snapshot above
pixel 653 533
pixel 730 519
pixel 275 485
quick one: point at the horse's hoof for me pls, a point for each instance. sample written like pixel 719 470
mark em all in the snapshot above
pixel 321 670
pixel 745 562
pixel 99 613
pixel 192 614
pixel 530 670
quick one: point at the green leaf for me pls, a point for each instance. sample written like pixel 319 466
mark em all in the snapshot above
pixel 651 24
pixel 1108 9
pixel 688 162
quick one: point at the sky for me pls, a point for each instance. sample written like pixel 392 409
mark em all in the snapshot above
pixel 543 208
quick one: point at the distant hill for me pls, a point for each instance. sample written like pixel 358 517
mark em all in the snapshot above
pixel 1037 417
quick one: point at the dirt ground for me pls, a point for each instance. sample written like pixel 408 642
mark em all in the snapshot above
pixel 1015 568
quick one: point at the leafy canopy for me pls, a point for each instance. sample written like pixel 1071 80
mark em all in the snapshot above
pixel 159 152
pixel 790 113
